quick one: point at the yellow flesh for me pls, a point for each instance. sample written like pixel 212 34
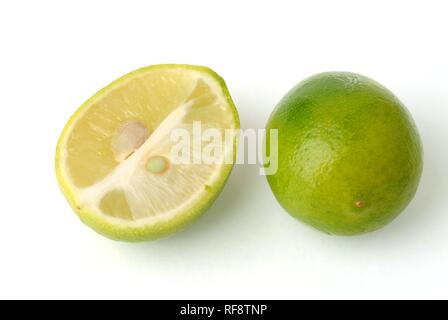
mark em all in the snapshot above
pixel 117 151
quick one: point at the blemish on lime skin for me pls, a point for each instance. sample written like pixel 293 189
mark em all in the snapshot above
pixel 359 203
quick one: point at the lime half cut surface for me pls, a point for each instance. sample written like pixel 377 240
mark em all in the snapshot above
pixel 114 158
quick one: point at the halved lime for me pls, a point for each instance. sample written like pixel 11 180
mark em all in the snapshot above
pixel 114 158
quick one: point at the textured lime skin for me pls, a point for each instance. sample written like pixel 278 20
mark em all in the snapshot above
pixel 349 154
pixel 135 232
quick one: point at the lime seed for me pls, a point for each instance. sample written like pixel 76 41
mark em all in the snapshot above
pixel 157 164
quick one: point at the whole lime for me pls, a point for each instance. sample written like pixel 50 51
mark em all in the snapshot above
pixel 349 154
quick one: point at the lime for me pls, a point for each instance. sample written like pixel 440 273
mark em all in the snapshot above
pixel 114 161
pixel 349 154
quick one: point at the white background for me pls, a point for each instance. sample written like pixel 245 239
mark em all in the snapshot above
pixel 56 54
